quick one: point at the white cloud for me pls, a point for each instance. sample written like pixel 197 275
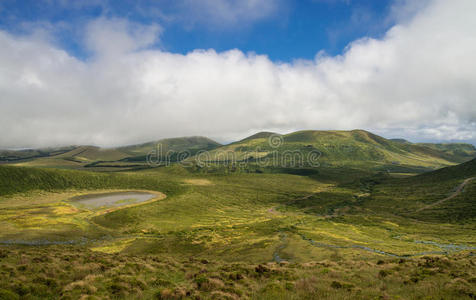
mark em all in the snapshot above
pixel 118 36
pixel 418 82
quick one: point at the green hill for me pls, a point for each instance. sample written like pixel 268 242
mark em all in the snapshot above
pixel 355 149
pixel 14 179
pixel 92 153
pixel 444 195
pixel 15 155
pixel 106 159
pixel 458 172
pixel 457 151
pixel 192 144
pixel 403 141
pixel 259 135
pixel 77 158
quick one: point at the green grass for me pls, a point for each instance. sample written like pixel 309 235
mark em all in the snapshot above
pixel 459 152
pixel 210 235
pixel 236 216
pixel 356 149
pixel 77 273
pixel 192 144
pixel 405 196
pixel 105 159
pixel 12 155
pixel 20 179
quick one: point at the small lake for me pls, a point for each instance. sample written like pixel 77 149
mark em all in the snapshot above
pixel 116 199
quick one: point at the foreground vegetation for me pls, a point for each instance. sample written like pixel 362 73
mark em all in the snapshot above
pixel 77 273
pixel 223 232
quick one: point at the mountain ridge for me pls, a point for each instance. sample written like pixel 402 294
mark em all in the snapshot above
pixel 357 147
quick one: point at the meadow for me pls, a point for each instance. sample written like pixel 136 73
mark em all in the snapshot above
pixel 277 231
pixel 225 231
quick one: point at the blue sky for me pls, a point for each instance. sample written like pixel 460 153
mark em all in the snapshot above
pixel 122 72
pixel 287 30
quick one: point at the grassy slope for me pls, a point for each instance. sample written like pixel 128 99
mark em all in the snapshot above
pixel 14 155
pixel 233 220
pixel 407 195
pixel 192 144
pixel 116 158
pixel 460 152
pixel 234 216
pixel 78 273
pixel 76 158
pixel 22 179
pixel 357 148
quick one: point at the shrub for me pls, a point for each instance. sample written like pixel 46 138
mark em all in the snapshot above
pixel 8 295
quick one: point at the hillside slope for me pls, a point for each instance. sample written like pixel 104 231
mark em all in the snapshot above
pixel 106 159
pixel 14 179
pixel 192 144
pixel 457 151
pixel 15 155
pixel 444 195
pixel 356 148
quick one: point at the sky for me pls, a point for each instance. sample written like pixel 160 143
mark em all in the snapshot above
pixel 112 73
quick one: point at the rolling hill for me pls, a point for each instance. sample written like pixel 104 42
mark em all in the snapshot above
pixel 356 148
pixel 444 195
pixel 185 144
pixel 15 155
pixel 248 235
pixel 457 151
pixel 104 159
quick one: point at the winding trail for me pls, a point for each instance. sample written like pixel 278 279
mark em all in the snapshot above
pixel 458 191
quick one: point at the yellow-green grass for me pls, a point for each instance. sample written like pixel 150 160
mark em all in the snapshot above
pixel 356 148
pixel 237 217
pixel 423 197
pixel 333 240
pixel 51 162
pixel 72 272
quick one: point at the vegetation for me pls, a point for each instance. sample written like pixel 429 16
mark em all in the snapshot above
pixel 459 152
pixel 357 149
pixel 71 272
pixel 344 230
pixel 12 155
pixel 410 196
pixel 20 180
pixel 350 149
pixel 109 159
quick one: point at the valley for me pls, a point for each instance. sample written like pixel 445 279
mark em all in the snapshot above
pixel 348 228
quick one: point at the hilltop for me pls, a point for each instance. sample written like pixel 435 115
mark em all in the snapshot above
pixel 259 135
pixel 104 159
pixel 356 148
pixel 14 155
pixel 190 144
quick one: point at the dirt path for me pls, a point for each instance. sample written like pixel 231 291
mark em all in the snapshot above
pixel 458 191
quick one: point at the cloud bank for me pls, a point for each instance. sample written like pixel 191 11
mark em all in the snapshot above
pixel 417 82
